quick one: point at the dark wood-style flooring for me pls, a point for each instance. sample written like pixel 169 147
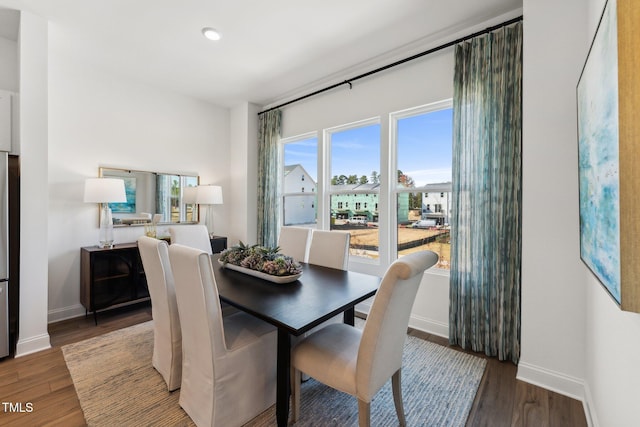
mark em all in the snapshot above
pixel 42 379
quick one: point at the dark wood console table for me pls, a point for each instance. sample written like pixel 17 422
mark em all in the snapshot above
pixel 111 278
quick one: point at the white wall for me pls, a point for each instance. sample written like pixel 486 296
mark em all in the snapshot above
pixel 33 335
pixel 99 119
pixel 553 289
pixel 9 68
pixel 612 345
pixel 243 176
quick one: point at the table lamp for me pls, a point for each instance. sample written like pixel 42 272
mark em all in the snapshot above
pixel 209 195
pixel 105 191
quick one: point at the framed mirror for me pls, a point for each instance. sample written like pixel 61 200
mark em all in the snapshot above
pixel 153 196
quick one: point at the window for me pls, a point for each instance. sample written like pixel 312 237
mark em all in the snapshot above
pixel 423 151
pixel 300 159
pixel 354 170
pixel 389 209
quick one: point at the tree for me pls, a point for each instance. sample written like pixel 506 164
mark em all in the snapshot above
pixel 334 180
pixel 364 179
pixel 352 179
pixel 342 180
pixel 375 178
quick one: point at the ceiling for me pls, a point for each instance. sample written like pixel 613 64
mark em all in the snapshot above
pixel 268 51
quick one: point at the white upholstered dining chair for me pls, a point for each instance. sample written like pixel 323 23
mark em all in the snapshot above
pixel 193 235
pixel 329 249
pixel 294 242
pixel 361 362
pixel 167 336
pixel 228 363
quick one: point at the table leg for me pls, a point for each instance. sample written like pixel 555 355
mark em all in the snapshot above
pixel 350 316
pixel 283 385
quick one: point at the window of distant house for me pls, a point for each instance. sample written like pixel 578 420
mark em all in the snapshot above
pixel 355 172
pixel 299 159
pixel 422 138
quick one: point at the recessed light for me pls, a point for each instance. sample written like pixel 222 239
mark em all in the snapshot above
pixel 211 33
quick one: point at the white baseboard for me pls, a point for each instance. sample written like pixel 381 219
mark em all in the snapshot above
pixel 32 345
pixel 430 326
pixel 416 322
pixel 65 313
pixel 566 385
pixel 590 414
pixel 552 380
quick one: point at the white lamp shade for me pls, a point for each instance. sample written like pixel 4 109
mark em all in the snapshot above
pixel 189 195
pixel 209 195
pixel 104 190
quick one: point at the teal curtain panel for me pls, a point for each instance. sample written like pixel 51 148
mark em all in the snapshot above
pixel 268 178
pixel 484 312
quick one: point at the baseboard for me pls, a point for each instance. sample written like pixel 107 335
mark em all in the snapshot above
pixel 430 326
pixel 423 324
pixel 552 380
pixel 588 404
pixel 65 313
pixel 32 345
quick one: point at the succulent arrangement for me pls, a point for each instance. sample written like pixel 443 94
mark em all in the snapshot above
pixel 260 258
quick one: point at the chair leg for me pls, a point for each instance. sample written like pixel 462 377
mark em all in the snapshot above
pixel 397 397
pixel 364 413
pixel 295 394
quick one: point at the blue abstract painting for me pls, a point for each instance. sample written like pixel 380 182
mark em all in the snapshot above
pixel 598 165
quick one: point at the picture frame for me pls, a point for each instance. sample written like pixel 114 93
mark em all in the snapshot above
pixel 608 102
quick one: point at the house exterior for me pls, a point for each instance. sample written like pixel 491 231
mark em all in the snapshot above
pixel 299 205
pixel 436 203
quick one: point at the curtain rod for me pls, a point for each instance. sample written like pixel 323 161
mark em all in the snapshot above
pixel 399 62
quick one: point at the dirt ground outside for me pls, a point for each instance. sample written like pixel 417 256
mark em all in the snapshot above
pixel 369 237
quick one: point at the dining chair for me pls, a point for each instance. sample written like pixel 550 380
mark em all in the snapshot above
pixel 329 249
pixel 294 242
pixel 194 235
pixel 361 361
pixel 228 363
pixel 167 336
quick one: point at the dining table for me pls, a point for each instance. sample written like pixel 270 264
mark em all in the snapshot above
pixel 294 308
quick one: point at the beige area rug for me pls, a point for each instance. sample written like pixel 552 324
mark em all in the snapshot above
pixel 117 386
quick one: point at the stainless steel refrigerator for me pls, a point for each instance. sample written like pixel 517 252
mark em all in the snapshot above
pixel 4 255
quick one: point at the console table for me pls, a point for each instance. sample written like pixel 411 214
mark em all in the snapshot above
pixel 111 278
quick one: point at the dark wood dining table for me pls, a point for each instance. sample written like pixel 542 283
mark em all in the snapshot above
pixel 294 308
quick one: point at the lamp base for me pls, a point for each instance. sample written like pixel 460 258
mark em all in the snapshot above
pixel 105 239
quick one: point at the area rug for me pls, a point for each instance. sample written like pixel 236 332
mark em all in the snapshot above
pixel 117 385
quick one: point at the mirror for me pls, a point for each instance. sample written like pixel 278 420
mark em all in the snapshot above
pixel 153 196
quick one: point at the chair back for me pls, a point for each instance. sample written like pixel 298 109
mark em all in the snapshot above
pixel 200 313
pixel 167 336
pixel 330 249
pixel 385 330
pixel 195 236
pixel 294 241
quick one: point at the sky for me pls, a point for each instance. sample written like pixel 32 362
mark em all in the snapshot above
pixel 424 149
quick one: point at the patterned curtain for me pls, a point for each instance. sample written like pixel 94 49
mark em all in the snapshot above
pixel 268 178
pixel 484 312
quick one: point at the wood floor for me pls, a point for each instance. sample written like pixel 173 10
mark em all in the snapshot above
pixel 41 393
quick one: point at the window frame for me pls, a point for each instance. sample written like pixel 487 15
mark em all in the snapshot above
pixel 394 189
pixel 281 194
pixel 328 191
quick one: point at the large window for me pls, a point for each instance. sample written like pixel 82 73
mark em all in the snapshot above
pixel 387 183
pixel 355 183
pixel 300 177
pixel 423 143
